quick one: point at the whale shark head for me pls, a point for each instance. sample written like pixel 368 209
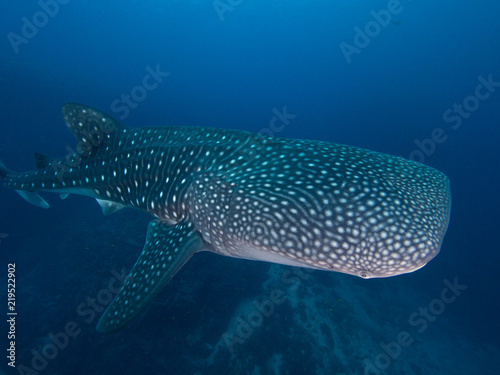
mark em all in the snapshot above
pixel 326 206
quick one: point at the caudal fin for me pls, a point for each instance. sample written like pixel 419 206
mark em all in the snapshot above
pixel 28 196
pixel 33 198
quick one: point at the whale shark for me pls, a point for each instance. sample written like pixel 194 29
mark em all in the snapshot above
pixel 294 202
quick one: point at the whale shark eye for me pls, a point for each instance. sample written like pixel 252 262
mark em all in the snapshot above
pixel 364 275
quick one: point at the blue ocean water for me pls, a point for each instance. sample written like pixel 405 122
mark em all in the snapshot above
pixel 414 78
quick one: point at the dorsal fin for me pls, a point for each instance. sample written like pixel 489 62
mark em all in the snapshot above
pixel 42 161
pixel 90 126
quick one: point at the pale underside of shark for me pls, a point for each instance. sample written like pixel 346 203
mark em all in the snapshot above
pixel 294 202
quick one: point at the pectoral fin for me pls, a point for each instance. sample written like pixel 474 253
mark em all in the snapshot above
pixel 166 250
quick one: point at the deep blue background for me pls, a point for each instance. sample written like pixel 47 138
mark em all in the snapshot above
pixel 231 73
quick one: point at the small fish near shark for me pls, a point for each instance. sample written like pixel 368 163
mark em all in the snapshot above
pixel 294 202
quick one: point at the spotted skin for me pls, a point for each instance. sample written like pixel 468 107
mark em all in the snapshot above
pixel 295 202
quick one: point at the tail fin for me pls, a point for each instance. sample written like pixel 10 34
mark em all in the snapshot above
pixel 31 197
